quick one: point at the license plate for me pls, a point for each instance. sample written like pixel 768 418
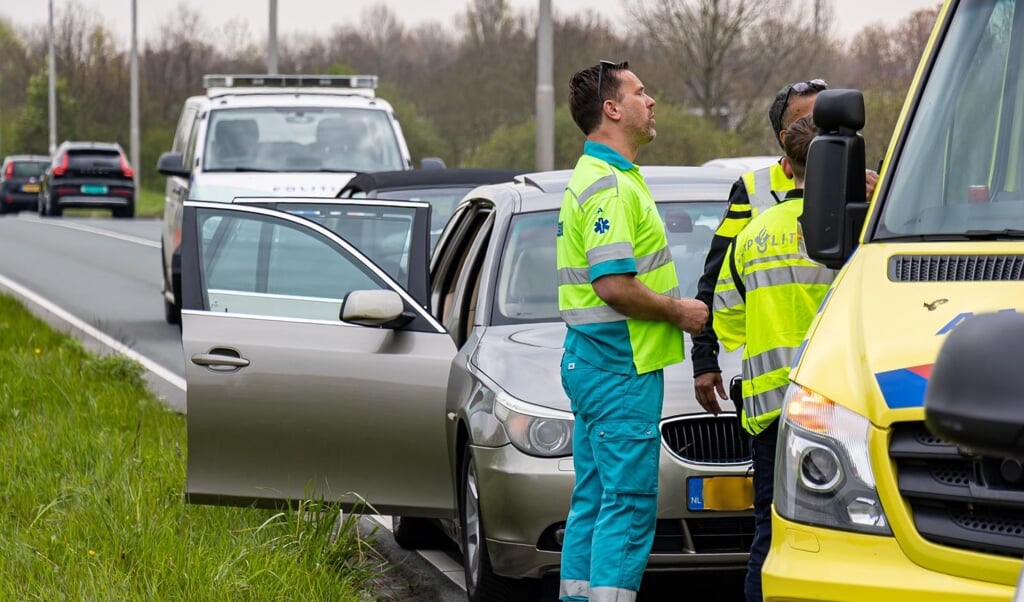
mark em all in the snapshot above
pixel 93 189
pixel 30 188
pixel 720 493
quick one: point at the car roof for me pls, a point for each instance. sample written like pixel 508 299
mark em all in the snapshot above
pixel 543 190
pixel 746 163
pixel 428 178
pixel 26 158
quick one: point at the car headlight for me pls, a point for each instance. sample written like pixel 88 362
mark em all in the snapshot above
pixel 824 474
pixel 535 430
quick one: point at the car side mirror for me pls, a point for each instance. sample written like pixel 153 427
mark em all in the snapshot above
pixel 975 395
pixel 172 164
pixel 376 308
pixel 835 205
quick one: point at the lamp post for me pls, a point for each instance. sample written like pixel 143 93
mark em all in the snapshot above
pixel 545 90
pixel 134 98
pixel 53 90
pixel 272 40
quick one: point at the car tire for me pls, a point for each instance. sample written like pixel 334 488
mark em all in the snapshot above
pixel 123 212
pixel 52 208
pixel 482 584
pixel 172 314
pixel 414 533
pixel 41 205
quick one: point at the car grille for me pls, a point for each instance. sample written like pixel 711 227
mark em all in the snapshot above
pixel 710 535
pixel 958 499
pixel 707 439
pixel 955 268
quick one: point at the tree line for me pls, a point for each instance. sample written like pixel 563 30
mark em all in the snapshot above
pixel 467 93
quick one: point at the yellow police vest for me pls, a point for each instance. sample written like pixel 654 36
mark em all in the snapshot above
pixel 765 188
pixel 766 297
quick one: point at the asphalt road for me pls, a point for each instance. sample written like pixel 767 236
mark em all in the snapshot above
pixel 99 279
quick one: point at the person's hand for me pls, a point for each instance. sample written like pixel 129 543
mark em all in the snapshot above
pixel 705 386
pixel 870 179
pixel 692 315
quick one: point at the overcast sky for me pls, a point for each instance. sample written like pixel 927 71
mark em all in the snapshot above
pixel 320 16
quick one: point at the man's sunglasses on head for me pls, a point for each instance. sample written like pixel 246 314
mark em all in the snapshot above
pixel 801 88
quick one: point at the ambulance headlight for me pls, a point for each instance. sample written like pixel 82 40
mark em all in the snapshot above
pixel 823 471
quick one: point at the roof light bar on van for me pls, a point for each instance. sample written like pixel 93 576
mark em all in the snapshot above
pixel 363 82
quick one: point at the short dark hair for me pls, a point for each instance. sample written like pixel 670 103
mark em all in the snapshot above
pixel 585 100
pixel 798 139
pixel 780 104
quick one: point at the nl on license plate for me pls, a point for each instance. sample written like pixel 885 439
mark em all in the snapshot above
pixel 720 493
pixel 93 189
pixel 30 188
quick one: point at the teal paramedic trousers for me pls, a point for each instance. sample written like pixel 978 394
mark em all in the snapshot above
pixel 616 446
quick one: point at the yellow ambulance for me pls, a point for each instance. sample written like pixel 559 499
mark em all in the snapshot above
pixel 870 506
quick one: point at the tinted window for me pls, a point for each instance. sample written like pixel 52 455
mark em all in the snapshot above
pixel 442 204
pixel 527 284
pixel 301 139
pixel 28 169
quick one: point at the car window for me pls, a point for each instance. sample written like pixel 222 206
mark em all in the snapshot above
pixel 383 234
pixel 292 139
pixel 442 203
pixel 28 169
pixel 262 265
pixel 527 283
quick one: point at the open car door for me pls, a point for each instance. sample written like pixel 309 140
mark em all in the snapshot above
pixel 287 401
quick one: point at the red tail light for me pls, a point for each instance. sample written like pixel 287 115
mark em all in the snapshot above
pixel 62 168
pixel 129 173
pixel 9 172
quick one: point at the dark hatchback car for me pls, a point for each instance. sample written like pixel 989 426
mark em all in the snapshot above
pixel 19 181
pixel 90 175
pixel 442 188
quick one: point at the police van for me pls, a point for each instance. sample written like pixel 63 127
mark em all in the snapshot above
pixel 869 503
pixel 272 135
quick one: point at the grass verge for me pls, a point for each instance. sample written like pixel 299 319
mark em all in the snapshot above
pixel 92 469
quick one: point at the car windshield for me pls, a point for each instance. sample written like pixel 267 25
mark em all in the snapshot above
pixel 527 285
pixel 301 139
pixel 442 204
pixel 961 171
pixel 28 169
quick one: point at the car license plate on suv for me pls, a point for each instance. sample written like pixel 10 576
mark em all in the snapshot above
pixel 720 493
pixel 30 188
pixel 93 189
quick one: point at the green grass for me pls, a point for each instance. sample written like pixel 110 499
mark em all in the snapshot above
pixel 149 203
pixel 92 471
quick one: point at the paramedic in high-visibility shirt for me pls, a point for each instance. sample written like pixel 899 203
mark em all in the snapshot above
pixel 619 296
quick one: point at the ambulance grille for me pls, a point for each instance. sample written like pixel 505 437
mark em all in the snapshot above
pixel 707 439
pixel 958 499
pixel 955 268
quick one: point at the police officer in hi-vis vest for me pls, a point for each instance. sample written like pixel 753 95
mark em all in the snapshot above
pixel 619 296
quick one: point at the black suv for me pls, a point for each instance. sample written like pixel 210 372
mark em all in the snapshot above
pixel 88 174
pixel 19 181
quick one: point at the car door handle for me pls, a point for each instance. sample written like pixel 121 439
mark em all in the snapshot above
pixel 220 360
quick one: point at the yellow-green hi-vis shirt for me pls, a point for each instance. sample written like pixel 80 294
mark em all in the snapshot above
pixel 609 224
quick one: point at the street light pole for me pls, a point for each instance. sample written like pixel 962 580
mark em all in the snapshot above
pixel 53 89
pixel 272 40
pixel 134 98
pixel 545 90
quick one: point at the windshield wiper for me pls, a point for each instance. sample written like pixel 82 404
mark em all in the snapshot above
pixel 241 168
pixel 994 234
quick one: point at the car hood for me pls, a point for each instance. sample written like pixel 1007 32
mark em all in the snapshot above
pixel 524 361
pixel 222 187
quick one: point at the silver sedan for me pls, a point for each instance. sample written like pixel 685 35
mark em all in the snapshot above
pixel 330 356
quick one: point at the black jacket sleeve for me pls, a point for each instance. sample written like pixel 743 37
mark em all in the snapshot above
pixel 704 353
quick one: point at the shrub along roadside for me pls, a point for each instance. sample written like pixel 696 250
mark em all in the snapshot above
pixel 92 470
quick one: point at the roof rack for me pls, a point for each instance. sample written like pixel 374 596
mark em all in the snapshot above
pixel 357 82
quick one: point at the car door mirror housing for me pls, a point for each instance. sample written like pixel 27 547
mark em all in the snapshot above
pixel 975 396
pixel 172 164
pixel 380 308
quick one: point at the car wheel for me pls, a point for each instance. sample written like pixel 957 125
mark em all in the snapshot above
pixel 172 315
pixel 41 205
pixel 482 584
pixel 52 208
pixel 414 533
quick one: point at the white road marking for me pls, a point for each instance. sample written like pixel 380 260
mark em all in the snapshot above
pixel 91 230
pixel 93 332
